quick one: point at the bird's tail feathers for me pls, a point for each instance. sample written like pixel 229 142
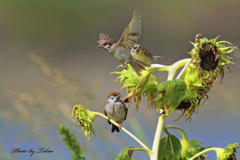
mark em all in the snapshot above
pixel 114 128
pixel 158 57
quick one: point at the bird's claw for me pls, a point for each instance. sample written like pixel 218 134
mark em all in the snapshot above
pixel 127 98
pixel 108 119
pixel 125 64
pixel 120 126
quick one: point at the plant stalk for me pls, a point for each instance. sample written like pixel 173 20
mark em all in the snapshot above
pixel 184 68
pixel 205 151
pixel 185 143
pixel 157 137
pixel 143 149
pixel 184 135
pixel 174 67
pixel 171 73
pixel 125 130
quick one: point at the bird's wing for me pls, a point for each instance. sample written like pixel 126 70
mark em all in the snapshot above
pixel 125 110
pixel 105 38
pixel 146 52
pixel 132 32
pixel 105 112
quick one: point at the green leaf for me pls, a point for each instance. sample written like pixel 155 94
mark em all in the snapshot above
pixel 169 148
pixel 125 154
pixel 171 93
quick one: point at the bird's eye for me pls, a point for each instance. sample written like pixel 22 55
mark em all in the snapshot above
pixel 105 44
pixel 134 47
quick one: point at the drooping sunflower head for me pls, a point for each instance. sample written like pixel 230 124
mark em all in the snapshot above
pixel 139 86
pixel 209 58
pixel 228 153
pixel 85 119
pixel 209 62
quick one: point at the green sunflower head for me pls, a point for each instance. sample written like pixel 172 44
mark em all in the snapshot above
pixel 228 153
pixel 138 86
pixel 85 119
pixel 191 148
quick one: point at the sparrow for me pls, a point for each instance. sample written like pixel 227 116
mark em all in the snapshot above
pixel 142 54
pixel 121 50
pixel 116 110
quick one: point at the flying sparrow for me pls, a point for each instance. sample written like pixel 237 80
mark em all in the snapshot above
pixel 116 110
pixel 121 50
pixel 142 54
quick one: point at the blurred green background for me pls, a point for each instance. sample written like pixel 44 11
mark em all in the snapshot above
pixel 49 61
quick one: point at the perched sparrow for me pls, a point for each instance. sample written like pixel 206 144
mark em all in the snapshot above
pixel 142 54
pixel 116 110
pixel 121 50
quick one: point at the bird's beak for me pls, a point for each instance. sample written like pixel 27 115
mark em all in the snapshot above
pixel 100 46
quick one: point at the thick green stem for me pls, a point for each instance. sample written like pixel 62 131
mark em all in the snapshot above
pixel 159 66
pixel 171 73
pixel 173 68
pixel 126 131
pixel 143 149
pixel 207 150
pixel 184 68
pixel 184 135
pixel 185 143
pixel 157 137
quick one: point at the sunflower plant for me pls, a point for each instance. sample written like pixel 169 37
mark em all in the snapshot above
pixel 187 92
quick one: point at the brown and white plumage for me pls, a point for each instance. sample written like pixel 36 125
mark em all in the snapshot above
pixel 121 50
pixel 116 110
pixel 142 54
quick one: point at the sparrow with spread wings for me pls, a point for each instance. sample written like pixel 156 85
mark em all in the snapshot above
pixel 116 110
pixel 121 50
